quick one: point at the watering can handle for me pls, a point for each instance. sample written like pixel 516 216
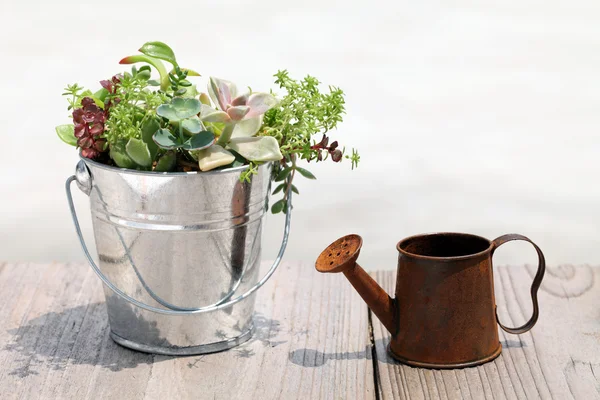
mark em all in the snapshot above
pixel 83 185
pixel 535 285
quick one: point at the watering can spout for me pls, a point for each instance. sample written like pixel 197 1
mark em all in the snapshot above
pixel 341 256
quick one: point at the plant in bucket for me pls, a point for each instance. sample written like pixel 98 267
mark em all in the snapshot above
pixel 178 182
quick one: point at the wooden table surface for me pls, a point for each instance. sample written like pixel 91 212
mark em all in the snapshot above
pixel 315 339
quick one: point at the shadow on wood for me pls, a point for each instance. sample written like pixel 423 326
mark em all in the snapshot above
pixel 79 336
pixel 76 333
pixel 315 358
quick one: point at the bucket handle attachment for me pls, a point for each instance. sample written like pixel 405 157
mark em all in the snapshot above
pixel 85 185
pixel 535 285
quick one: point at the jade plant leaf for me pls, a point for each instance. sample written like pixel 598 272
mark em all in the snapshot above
pixel 166 162
pixel 138 151
pixel 148 128
pixel 264 148
pixel 66 133
pixel 199 141
pixel 179 109
pixel 192 125
pixel 159 50
pixel 165 139
pixel 213 157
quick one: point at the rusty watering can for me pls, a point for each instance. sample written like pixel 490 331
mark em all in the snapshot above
pixel 444 312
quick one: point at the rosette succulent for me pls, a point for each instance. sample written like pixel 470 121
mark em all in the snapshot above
pixel 241 116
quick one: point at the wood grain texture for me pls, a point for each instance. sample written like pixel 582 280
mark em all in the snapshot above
pixel 558 359
pixel 312 341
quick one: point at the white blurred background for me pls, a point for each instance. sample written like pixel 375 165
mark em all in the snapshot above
pixel 469 116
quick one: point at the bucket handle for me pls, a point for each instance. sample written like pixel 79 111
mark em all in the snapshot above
pixel 85 186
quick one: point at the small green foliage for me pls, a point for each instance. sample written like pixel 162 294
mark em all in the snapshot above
pixel 304 111
pixel 246 176
pixel 74 95
pixel 136 104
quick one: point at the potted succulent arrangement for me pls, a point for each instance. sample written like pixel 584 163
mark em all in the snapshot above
pixel 179 182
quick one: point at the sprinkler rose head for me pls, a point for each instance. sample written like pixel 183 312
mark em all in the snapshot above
pixel 340 255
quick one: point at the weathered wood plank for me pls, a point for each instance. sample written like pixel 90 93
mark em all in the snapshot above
pixel 558 359
pixel 312 341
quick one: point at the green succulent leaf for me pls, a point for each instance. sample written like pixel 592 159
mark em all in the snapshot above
pixel 247 127
pixel 120 157
pixel 306 173
pixel 190 72
pixel 191 91
pixel 159 50
pixel 278 206
pixel 199 141
pixel 279 188
pixel 155 62
pixel 166 162
pixel 295 189
pixel 283 174
pixel 214 157
pixel 179 109
pixel 88 93
pixel 149 127
pixel 101 96
pixel 192 125
pixel 165 139
pixel 259 149
pixel 210 114
pixel 138 151
pixel 66 133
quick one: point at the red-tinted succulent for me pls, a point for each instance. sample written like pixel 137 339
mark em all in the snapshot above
pixel 110 85
pixel 89 120
pixel 336 154
pixel 89 126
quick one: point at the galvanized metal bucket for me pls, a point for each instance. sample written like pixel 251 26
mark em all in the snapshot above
pixel 179 254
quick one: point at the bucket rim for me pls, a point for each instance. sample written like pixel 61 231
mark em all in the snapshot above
pixel 97 164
